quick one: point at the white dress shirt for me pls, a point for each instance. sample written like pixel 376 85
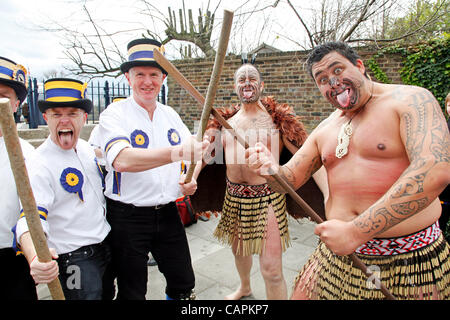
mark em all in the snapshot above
pixel 126 124
pixel 67 187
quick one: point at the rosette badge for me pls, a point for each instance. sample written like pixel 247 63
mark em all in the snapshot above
pixel 174 137
pixel 72 181
pixel 139 139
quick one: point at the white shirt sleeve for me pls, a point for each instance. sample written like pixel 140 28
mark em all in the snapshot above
pixel 112 137
pixel 44 196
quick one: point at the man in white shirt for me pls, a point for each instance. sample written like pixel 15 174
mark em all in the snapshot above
pixel 15 278
pixel 143 142
pixel 67 185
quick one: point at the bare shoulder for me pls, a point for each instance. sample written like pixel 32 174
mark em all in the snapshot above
pixel 405 97
pixel 324 125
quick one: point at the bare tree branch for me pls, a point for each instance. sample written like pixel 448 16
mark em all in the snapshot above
pixel 362 17
pixel 303 23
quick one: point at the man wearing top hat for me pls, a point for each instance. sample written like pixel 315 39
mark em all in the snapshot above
pixel 15 278
pixel 67 186
pixel 143 142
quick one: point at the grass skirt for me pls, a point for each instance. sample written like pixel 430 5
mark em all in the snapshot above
pixel 244 216
pixel 411 275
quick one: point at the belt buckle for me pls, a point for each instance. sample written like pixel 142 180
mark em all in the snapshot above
pixel 159 206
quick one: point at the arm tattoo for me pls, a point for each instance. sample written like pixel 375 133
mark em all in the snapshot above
pixel 426 144
pixel 285 173
pixel 288 173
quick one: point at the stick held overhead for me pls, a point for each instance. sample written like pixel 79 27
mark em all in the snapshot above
pixel 25 192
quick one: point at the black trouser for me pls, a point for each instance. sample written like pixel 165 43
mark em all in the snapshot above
pixel 81 271
pixel 16 282
pixel 136 231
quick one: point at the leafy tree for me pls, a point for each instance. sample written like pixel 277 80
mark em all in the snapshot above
pixel 425 20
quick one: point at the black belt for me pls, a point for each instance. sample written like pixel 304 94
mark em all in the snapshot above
pixel 119 204
pixel 94 247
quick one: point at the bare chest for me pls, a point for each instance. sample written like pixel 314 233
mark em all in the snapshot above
pixel 374 137
pixel 253 128
pixel 258 121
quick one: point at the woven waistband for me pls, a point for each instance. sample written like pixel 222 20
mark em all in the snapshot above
pixel 247 190
pixel 403 244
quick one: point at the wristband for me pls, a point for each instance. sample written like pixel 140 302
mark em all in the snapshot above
pixel 33 259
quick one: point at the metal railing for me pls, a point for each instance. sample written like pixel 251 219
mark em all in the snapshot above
pixel 100 93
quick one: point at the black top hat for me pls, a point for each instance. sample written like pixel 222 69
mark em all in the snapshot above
pixel 65 92
pixel 118 98
pixel 140 53
pixel 15 76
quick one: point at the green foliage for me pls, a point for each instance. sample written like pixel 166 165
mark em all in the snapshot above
pixel 378 73
pixel 426 65
pixel 428 18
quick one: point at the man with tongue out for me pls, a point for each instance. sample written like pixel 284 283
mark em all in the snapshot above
pixel 386 153
pixel 67 186
pixel 254 218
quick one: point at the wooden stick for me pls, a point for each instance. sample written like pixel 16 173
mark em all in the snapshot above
pixel 213 82
pixel 25 192
pixel 183 82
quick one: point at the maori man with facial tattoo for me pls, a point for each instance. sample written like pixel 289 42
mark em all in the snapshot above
pixel 386 153
pixel 254 219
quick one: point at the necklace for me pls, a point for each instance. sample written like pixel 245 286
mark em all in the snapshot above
pixel 346 132
pixel 344 135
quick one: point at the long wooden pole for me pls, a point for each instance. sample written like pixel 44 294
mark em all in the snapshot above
pixel 183 82
pixel 25 192
pixel 214 81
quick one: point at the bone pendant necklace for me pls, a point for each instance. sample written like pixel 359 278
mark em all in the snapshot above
pixel 344 135
pixel 346 132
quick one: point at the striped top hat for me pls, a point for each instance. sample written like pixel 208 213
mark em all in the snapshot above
pixel 118 98
pixel 15 76
pixel 65 92
pixel 140 53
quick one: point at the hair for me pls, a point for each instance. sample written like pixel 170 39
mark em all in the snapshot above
pixel 322 50
pixel 248 65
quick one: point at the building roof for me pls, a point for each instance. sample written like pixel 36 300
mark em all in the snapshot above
pixel 264 48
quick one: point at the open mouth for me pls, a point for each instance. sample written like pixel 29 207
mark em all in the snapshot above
pixel 247 93
pixel 65 137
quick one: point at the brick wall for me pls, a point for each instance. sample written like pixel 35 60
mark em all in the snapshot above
pixel 284 77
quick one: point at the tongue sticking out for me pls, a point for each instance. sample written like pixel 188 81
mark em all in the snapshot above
pixel 343 99
pixel 65 138
pixel 248 94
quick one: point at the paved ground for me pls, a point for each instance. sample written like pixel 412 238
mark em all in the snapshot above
pixel 214 268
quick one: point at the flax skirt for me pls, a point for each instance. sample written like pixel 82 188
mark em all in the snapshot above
pixel 244 217
pixel 412 275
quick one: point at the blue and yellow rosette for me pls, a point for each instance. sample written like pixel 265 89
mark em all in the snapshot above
pixel 139 139
pixel 174 137
pixel 72 181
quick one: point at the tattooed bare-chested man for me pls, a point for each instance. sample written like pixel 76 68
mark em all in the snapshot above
pixel 254 219
pixel 386 152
